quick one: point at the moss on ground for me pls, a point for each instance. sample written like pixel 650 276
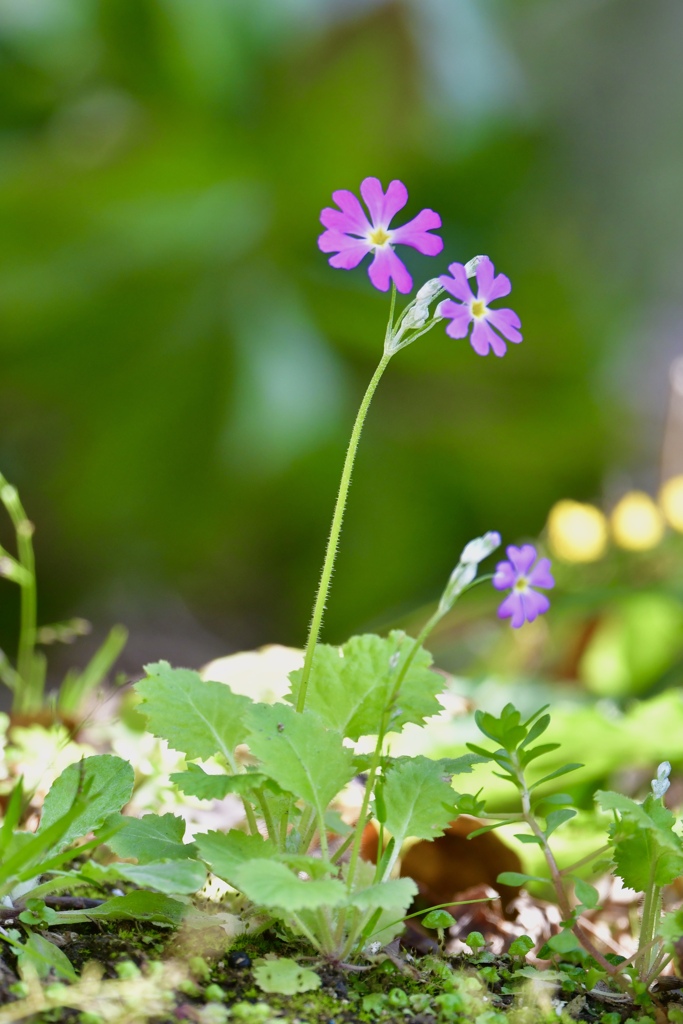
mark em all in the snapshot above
pixel 214 985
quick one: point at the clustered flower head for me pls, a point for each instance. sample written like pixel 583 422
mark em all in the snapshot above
pixel 351 235
pixel 519 574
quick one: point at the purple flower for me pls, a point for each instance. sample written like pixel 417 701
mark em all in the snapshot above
pixel 350 235
pixel 475 310
pixel 519 574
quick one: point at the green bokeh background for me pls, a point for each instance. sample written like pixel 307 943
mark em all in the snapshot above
pixel 180 368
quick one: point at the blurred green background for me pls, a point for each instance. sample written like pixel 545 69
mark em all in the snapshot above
pixel 180 368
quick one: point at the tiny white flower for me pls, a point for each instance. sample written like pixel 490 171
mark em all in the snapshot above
pixel 373 948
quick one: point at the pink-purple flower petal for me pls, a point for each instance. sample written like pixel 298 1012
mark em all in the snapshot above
pixel 387 266
pixel 521 558
pixel 504 576
pixel 491 286
pixel 485 338
pixel 457 284
pixel 513 608
pixel 507 322
pixel 350 235
pixel 416 233
pixel 487 324
pixel 540 575
pixel 356 218
pixel 383 205
pixel 460 318
pixel 520 575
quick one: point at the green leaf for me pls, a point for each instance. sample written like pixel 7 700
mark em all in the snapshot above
pixel 563 942
pixel 173 877
pixel 135 906
pixel 109 782
pixel 284 976
pixel 543 748
pixel 299 753
pixel 521 946
pixel 12 815
pixel 272 885
pixel 486 828
pixel 226 852
pixel 198 717
pixel 194 781
pixel 536 730
pixel 523 838
pixel 448 766
pixel 391 895
pixel 418 801
pixel 646 849
pixel 587 894
pixel 438 919
pixel 518 878
pixel 564 770
pixel 151 838
pixel 556 818
pixel 350 687
pixel 44 956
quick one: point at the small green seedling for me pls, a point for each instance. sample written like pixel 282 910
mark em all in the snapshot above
pixel 441 920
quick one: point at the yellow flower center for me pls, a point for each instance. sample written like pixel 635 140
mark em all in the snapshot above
pixel 521 585
pixel 478 308
pixel 378 236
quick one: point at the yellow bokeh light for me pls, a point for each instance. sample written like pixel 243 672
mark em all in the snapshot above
pixel 671 501
pixel 577 532
pixel 637 523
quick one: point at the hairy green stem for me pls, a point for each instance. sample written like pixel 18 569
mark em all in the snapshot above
pixel 251 817
pixel 335 530
pixel 648 924
pixel 267 816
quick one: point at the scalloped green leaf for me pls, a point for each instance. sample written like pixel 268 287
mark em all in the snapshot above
pixel 151 838
pixel 198 717
pixel 350 686
pixel 225 852
pixel 418 801
pixel 194 781
pixel 298 753
pixel 271 884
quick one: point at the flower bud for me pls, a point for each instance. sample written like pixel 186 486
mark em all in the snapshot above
pixel 465 571
pixel 428 291
pixel 471 265
pixel 661 783
pixel 481 547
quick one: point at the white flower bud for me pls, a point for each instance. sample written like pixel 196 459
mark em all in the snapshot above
pixel 481 547
pixel 471 265
pixel 416 316
pixel 428 291
pixel 465 571
pixel 661 783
